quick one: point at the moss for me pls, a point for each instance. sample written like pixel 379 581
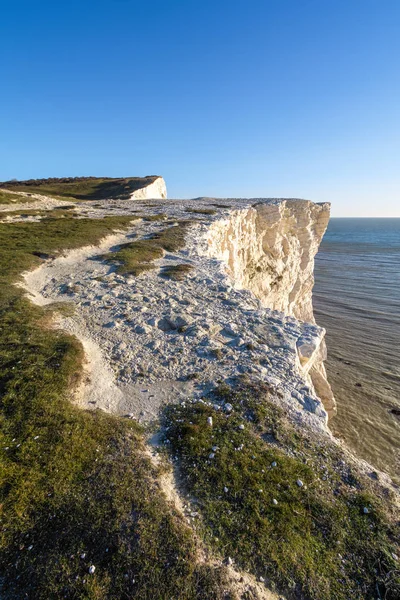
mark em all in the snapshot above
pixel 76 488
pixel 177 272
pixel 316 540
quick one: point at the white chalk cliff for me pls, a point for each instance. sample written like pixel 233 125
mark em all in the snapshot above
pixel 244 309
pixel 156 190
pixel 269 248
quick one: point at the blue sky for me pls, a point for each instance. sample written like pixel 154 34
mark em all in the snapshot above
pixel 297 98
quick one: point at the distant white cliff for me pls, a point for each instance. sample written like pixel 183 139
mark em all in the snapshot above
pixel 156 190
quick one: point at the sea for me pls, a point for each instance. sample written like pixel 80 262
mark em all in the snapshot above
pixel 357 300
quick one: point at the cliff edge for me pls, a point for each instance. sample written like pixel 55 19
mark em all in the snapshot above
pixel 269 249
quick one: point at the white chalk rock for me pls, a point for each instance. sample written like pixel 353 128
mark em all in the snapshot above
pixel 156 190
pixel 269 249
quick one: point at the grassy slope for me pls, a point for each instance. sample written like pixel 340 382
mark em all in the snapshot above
pixel 75 487
pixel 81 188
pixel 316 542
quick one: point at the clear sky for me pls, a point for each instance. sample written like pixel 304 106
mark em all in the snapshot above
pixel 294 98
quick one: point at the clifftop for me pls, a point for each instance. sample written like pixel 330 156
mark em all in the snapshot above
pixel 203 467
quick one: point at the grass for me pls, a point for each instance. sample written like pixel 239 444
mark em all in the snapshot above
pixel 81 188
pixel 56 213
pixel 137 257
pixel 316 542
pixel 177 272
pixel 8 198
pixel 76 488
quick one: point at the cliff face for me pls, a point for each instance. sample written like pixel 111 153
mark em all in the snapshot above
pixel 269 248
pixel 156 190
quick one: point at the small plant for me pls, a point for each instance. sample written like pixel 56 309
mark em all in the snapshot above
pixel 177 272
pixel 217 353
pixel 201 211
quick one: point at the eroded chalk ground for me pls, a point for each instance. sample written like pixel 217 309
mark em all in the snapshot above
pixel 150 340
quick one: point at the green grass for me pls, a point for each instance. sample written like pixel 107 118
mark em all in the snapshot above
pixel 137 257
pixel 316 542
pixel 81 188
pixel 56 213
pixel 8 198
pixel 177 272
pixel 76 488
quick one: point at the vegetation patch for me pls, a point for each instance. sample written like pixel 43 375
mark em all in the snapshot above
pixel 287 508
pixel 57 213
pixel 177 272
pixel 8 198
pixel 82 188
pixel 201 211
pixel 81 513
pixel 157 217
pixel 137 257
